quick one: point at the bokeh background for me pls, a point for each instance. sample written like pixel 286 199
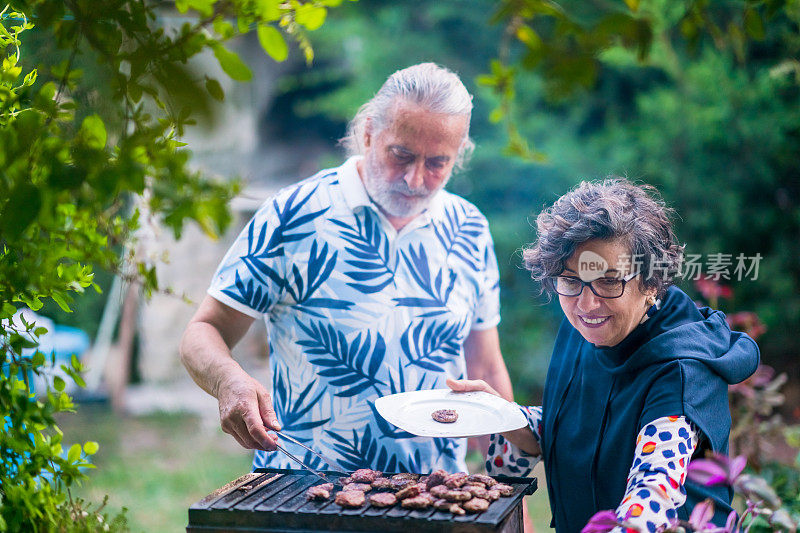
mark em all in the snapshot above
pixel 711 120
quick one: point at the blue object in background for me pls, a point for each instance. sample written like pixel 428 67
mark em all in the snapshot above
pixel 61 341
pixel 67 341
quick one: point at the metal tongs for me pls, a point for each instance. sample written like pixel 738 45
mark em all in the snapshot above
pixel 331 464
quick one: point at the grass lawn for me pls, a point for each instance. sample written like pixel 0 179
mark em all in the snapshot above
pixel 157 466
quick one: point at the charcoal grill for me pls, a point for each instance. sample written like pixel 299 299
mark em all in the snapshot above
pixel 270 499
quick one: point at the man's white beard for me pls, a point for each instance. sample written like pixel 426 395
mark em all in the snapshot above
pixel 394 197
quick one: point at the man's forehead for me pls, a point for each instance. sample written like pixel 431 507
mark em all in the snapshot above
pixel 412 118
pixel 402 149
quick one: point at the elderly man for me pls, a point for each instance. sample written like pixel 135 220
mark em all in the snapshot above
pixel 373 280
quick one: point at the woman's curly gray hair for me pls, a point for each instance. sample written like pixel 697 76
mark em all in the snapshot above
pixel 611 209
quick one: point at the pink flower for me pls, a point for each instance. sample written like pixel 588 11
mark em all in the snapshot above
pixel 712 289
pixel 747 321
pixel 718 469
pixel 601 522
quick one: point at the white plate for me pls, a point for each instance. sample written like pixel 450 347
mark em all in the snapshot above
pixel 479 413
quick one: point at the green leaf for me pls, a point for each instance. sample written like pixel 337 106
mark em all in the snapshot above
pixel 30 78
pixel 527 35
pixel 74 453
pixel 93 132
pixel 204 7
pixel 753 24
pixel 79 381
pixel 633 5
pixel 215 89
pixel 62 300
pixel 223 27
pixel 91 447
pixel 268 10
pixel 7 311
pixel 37 359
pixel 231 63
pixel 272 42
pixel 24 203
pixel 40 331
pixel 58 383
pixel 310 16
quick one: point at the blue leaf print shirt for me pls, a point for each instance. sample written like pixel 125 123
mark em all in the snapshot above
pixel 356 310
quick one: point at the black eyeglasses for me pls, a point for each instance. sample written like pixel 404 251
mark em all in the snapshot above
pixel 601 287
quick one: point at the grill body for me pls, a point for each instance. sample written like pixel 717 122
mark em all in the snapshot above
pixel 274 500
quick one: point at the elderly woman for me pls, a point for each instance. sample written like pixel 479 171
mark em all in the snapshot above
pixel 638 380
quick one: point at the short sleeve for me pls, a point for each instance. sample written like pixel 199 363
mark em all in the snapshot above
pixel 249 278
pixel 487 308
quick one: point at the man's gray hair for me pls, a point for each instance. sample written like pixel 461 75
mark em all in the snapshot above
pixel 428 85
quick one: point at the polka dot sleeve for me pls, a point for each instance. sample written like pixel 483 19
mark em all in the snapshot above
pixel 503 458
pixel 655 482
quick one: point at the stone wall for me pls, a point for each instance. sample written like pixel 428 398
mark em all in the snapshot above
pixel 235 147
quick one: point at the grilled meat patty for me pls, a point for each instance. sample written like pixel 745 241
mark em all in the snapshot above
pixel 382 499
pixel 320 492
pixel 349 498
pixel 503 489
pixel 365 475
pixel 410 491
pixel 475 505
pixel 455 481
pixel 489 481
pixel 416 502
pixel 445 416
pixel 383 483
pixel 363 487
pixel 436 477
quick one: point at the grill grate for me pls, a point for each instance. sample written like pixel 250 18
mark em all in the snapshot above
pixel 275 500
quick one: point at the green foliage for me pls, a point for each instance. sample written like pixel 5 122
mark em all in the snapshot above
pixel 785 480
pixel 671 102
pixel 81 164
pixel 565 42
pixel 709 116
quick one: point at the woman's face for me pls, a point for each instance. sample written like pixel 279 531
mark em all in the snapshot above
pixel 604 321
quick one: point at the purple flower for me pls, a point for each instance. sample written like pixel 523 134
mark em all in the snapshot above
pixel 718 469
pixel 702 514
pixel 601 522
pixel 730 524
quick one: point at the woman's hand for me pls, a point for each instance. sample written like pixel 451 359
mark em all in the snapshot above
pixel 470 385
pixel 523 438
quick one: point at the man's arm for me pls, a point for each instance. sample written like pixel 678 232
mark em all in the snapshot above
pixel 245 406
pixel 484 361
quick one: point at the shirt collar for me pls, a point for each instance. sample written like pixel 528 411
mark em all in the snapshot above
pixel 355 194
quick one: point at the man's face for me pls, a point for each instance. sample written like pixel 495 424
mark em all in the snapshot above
pixel 411 159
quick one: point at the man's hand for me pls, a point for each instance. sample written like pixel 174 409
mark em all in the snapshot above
pixel 246 413
pixel 245 407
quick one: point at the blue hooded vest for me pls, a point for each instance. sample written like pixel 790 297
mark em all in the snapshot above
pixel 597 399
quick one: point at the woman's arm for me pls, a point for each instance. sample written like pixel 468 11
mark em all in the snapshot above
pixel 522 438
pixel 655 483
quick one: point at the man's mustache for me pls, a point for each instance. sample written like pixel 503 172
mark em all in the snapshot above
pixel 403 188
